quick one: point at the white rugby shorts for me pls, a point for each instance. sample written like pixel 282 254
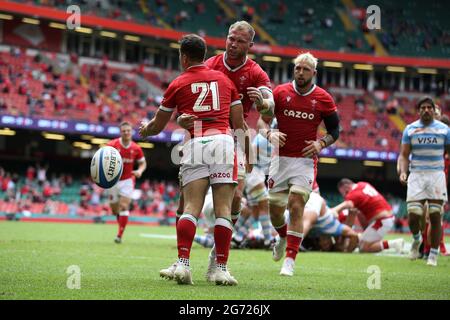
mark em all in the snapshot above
pixel 427 185
pixel 287 171
pixel 210 156
pixel 123 188
pixel 377 229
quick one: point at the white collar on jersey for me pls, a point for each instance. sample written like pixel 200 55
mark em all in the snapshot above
pixel 197 65
pixel 303 94
pixel 121 143
pixel 228 67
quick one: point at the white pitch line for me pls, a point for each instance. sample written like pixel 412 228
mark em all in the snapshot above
pixel 158 236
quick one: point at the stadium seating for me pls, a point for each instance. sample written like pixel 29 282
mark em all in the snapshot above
pixel 418 28
pixel 408 27
pixel 112 95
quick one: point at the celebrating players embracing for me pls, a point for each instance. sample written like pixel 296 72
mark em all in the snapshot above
pixel 208 157
pixel 254 88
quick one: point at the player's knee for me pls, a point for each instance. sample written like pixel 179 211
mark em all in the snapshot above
pixel 278 199
pixel 300 193
pixel 435 209
pixel 257 195
pixel 415 208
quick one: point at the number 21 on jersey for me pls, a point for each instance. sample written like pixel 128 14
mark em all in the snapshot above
pixel 205 89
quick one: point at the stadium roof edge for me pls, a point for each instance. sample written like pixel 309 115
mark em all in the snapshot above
pixel 154 32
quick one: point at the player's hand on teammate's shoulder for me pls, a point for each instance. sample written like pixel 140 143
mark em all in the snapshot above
pixel 312 149
pixel 277 138
pixel 248 167
pixel 186 121
pixel 403 177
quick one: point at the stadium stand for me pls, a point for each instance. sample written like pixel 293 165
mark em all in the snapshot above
pixel 112 95
pixel 415 28
pixel 64 195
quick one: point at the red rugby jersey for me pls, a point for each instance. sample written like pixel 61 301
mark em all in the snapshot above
pixel 249 74
pixel 367 200
pixel 130 154
pixel 299 115
pixel 203 92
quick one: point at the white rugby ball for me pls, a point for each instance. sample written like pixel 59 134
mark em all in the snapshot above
pixel 106 167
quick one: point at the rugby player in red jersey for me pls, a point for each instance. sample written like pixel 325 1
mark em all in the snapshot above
pixel 208 156
pixel 374 214
pixel 254 88
pixel 300 107
pixel 120 194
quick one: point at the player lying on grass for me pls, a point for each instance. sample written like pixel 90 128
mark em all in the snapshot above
pixel 319 219
pixel 374 213
pixel 326 243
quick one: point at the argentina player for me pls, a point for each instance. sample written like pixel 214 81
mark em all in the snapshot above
pixel 425 140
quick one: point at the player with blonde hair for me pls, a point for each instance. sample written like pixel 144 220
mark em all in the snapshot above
pixel 300 107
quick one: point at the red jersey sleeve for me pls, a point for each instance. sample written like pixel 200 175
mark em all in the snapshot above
pixel 169 100
pixel 352 196
pixel 235 99
pixel 276 95
pixel 139 153
pixel 328 105
pixel 261 78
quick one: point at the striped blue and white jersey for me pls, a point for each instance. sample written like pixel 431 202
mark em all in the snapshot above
pixel 427 145
pixel 264 154
pixel 264 148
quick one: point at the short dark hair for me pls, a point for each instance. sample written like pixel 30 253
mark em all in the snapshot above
pixel 125 123
pixel 344 182
pixel 194 47
pixel 424 100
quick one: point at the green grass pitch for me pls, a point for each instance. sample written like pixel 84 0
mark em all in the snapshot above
pixel 34 258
